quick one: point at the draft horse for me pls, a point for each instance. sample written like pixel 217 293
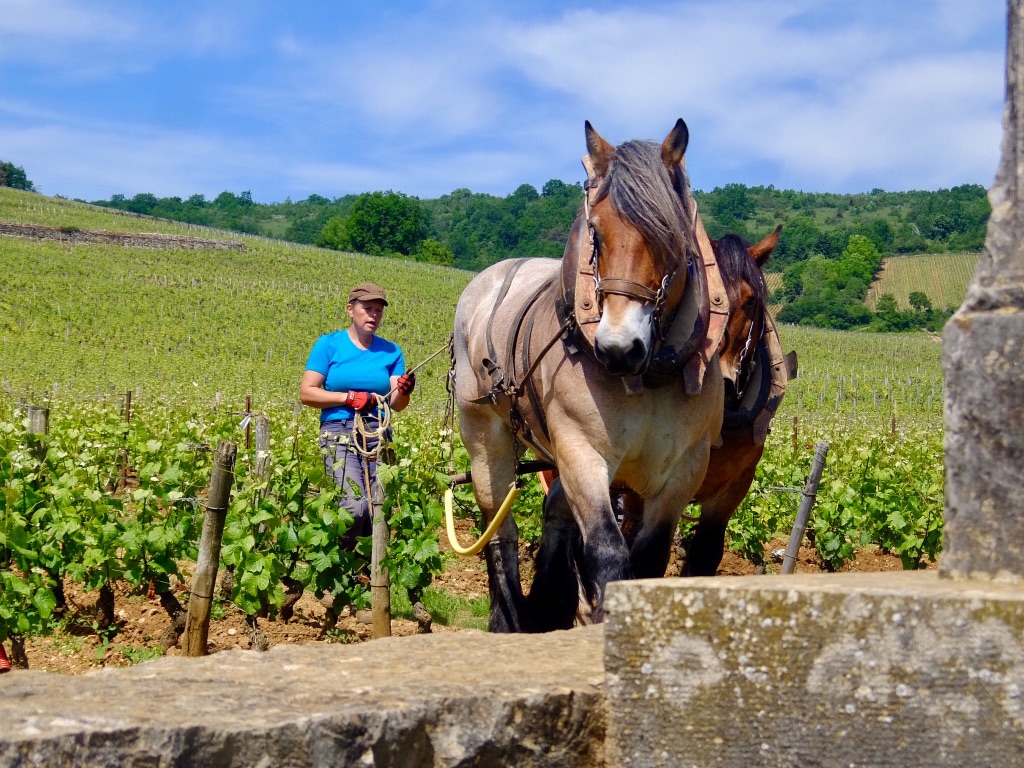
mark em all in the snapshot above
pixel 596 363
pixel 756 374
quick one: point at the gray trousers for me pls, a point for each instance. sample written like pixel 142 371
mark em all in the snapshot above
pixel 345 464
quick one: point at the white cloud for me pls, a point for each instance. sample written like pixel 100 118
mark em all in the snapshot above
pixel 334 99
pixel 59 21
pixel 94 162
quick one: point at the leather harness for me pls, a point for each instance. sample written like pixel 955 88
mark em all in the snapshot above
pixel 774 371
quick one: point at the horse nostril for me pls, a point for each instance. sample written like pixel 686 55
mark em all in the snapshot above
pixel 625 360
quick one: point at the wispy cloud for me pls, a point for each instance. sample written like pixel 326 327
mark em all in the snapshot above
pixel 421 98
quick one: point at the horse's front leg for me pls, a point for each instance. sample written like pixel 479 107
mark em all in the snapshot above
pixel 493 461
pixel 554 595
pixel 704 554
pixel 605 555
pixel 652 548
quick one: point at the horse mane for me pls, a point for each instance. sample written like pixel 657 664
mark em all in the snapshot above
pixel 735 263
pixel 641 191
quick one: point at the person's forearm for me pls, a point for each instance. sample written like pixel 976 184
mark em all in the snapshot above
pixel 318 397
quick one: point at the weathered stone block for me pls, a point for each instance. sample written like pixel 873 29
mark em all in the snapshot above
pixel 451 699
pixel 983 355
pixel 834 670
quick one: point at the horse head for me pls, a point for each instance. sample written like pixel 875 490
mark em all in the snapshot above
pixel 641 238
pixel 741 265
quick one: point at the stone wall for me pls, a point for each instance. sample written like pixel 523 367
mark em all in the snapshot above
pixel 450 699
pixel 983 356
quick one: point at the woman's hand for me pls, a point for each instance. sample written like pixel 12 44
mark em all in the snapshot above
pixel 406 383
pixel 359 401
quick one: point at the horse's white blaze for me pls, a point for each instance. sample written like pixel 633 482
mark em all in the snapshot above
pixel 620 332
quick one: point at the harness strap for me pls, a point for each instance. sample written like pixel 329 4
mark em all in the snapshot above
pixel 531 388
pixel 623 287
pixel 491 361
pixel 775 371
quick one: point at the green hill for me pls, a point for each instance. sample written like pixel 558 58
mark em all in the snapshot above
pixel 942 277
pixel 182 321
pixel 186 323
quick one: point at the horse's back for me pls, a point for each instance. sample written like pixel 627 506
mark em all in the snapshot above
pixel 481 295
pixel 486 310
pixel 494 296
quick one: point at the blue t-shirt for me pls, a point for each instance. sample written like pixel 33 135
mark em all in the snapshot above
pixel 345 366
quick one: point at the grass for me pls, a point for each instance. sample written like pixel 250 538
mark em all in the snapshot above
pixel 447 609
pixel 138 655
pixel 95 319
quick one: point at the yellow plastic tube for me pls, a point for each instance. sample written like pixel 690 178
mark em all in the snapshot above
pixel 499 518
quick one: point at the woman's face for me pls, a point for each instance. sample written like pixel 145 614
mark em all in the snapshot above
pixel 366 315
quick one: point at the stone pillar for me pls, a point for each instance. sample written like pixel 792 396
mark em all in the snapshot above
pixel 983 361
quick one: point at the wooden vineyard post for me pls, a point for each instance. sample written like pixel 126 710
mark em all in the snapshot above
pixel 197 624
pixel 38 424
pixel 122 478
pixel 262 446
pixel 380 578
pixel 38 419
pixel 804 511
pixel 248 428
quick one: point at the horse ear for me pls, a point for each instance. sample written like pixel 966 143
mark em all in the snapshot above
pixel 674 146
pixel 760 252
pixel 600 150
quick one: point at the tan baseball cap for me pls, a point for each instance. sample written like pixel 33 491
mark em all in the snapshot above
pixel 367 292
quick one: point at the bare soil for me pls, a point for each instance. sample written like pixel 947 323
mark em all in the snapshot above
pixel 142 621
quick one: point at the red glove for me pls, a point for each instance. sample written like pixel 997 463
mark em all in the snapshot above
pixel 359 401
pixel 406 383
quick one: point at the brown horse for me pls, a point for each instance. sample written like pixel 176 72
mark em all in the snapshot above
pixel 595 363
pixel 755 375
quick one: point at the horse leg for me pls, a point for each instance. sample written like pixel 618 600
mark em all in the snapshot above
pixel 554 596
pixel 652 549
pixel 704 554
pixel 493 467
pixel 509 612
pixel 605 555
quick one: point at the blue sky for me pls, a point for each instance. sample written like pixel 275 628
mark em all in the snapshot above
pixel 288 99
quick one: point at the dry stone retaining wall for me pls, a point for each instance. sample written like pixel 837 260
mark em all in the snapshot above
pixel 451 699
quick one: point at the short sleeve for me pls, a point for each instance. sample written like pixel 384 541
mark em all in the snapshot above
pixel 320 356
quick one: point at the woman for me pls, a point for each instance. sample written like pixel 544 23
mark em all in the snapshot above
pixel 345 370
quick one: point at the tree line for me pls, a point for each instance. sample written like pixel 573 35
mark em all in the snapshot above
pixel 830 247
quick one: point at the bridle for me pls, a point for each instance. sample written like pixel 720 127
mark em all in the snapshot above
pixel 746 354
pixel 630 288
